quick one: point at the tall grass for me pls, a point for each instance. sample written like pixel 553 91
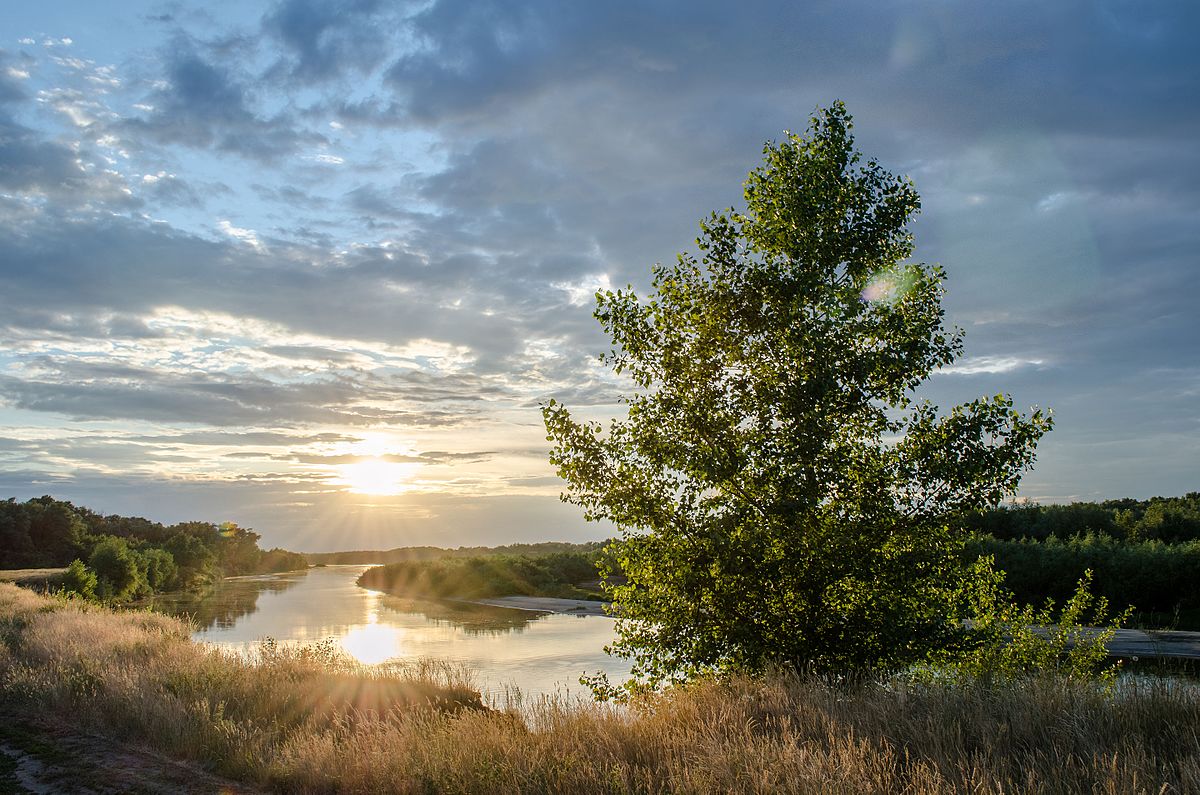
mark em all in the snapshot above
pixel 308 721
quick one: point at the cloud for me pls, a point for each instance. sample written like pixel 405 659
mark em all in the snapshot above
pixel 84 389
pixel 35 167
pixel 325 40
pixel 13 72
pixel 434 457
pixel 974 365
pixel 203 105
pixel 180 269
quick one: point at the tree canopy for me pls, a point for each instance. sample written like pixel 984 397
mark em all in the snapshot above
pixel 782 494
pixel 128 556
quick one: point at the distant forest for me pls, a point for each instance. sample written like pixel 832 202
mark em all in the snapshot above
pixel 117 558
pixel 1171 520
pixel 404 554
pixel 1142 553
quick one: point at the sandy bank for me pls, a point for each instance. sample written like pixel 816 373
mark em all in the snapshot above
pixel 546 604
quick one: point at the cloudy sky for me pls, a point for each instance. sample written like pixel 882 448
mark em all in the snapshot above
pixel 310 265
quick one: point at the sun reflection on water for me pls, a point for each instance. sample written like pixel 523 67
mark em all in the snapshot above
pixel 373 643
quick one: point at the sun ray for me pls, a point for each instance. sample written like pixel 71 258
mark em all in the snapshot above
pixel 375 476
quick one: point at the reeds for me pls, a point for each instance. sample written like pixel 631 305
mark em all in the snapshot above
pixel 308 720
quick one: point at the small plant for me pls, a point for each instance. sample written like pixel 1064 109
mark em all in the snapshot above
pixel 1008 641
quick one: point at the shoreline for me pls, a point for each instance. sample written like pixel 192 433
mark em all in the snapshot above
pixel 545 604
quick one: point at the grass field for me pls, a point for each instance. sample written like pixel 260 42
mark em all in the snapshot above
pixel 310 721
pixel 30 576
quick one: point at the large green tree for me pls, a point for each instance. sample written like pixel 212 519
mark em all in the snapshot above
pixel 783 496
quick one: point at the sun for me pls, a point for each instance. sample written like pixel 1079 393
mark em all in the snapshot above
pixel 375 476
pixel 374 643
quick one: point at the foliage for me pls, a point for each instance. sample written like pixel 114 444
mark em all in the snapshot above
pixel 768 514
pixel 1009 642
pixel 37 533
pixel 558 574
pixel 195 561
pixel 1171 520
pixel 116 569
pixel 135 556
pixel 79 580
pixel 157 567
pixel 276 559
pixel 1151 576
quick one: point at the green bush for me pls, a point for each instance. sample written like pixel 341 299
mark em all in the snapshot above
pixel 116 569
pixel 1007 641
pixel 79 580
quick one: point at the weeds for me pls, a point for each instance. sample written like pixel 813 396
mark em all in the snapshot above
pixel 310 720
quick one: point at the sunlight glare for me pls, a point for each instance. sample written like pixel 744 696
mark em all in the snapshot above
pixel 375 476
pixel 372 644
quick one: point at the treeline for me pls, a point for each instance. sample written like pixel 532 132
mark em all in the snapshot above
pixel 568 575
pixel 1171 520
pixel 1142 553
pixel 118 558
pixel 400 554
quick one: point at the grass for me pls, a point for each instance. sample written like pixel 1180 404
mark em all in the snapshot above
pixel 309 721
pixel 30 576
pixel 476 577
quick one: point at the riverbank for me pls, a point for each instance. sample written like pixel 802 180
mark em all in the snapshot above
pixel 546 604
pixel 308 720
pixel 563 575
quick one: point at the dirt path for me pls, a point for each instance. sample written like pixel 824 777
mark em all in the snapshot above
pixel 44 757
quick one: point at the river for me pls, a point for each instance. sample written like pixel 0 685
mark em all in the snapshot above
pixel 535 653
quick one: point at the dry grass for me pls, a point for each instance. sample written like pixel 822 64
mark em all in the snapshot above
pixel 30 576
pixel 309 721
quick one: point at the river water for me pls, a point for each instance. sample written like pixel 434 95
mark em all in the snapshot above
pixel 535 653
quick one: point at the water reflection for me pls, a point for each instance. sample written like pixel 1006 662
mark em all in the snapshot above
pixel 471 618
pixel 374 643
pixel 538 653
pixel 225 604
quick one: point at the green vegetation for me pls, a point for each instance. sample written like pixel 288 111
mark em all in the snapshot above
pixel 810 573
pixel 558 574
pixel 400 554
pixel 1144 554
pixel 119 558
pixel 308 720
pixel 1171 520
pixel 783 497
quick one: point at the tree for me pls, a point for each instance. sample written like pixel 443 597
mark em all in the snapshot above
pixel 237 550
pixel 783 496
pixel 193 559
pixel 79 579
pixel 158 568
pixel 116 567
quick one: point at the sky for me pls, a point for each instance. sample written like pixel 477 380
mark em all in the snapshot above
pixel 313 266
